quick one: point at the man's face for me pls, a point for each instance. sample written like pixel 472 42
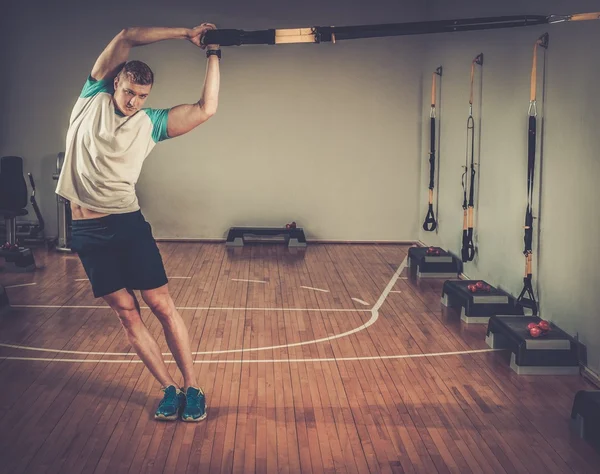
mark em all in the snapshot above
pixel 130 97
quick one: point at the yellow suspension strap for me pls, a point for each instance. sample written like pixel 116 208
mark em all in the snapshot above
pixel 468 248
pixel 527 297
pixel 430 223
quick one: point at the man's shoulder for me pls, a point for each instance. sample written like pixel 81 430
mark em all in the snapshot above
pixel 93 96
pixel 93 87
pixel 159 119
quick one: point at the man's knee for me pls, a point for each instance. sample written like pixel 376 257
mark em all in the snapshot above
pixel 161 305
pixel 126 307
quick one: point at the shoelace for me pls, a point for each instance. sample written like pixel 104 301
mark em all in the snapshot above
pixel 169 398
pixel 195 398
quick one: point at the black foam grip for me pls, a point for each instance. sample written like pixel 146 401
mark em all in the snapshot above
pixel 528 240
pixel 231 37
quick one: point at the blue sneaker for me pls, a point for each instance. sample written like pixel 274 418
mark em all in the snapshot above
pixel 171 404
pixel 195 405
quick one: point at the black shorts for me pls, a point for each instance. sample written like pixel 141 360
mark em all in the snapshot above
pixel 118 251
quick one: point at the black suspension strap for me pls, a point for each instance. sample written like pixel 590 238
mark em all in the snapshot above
pixel 430 223
pixel 322 34
pixel 468 249
pixel 527 297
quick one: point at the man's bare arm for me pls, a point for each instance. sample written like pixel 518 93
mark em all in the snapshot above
pixel 186 117
pixel 117 51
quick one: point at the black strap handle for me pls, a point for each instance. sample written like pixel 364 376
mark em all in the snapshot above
pixel 430 223
pixel 468 249
pixel 529 300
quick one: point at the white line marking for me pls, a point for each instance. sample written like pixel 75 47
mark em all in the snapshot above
pixel 389 286
pixel 374 316
pixel 50 306
pixel 361 301
pixel 170 278
pixel 395 291
pixel 22 284
pixel 251 281
pixel 316 289
pixel 250 361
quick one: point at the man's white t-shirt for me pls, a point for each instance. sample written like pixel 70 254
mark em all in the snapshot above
pixel 105 150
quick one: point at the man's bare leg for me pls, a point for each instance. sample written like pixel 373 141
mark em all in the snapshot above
pixel 125 304
pixel 176 333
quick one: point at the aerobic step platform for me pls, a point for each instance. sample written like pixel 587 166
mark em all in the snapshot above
pixel 432 262
pixel 480 306
pixel 293 237
pixel 554 353
pixel 585 416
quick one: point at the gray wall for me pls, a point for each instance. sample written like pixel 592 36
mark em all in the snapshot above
pixel 326 135
pixel 566 257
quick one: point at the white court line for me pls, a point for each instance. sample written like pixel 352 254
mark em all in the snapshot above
pixel 228 351
pixel 374 316
pixel 249 361
pixel 361 301
pixel 194 308
pixel 18 286
pixel 316 289
pixel 395 291
pixel 251 281
pixel 170 278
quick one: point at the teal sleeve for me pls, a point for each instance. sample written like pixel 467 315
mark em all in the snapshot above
pixel 159 119
pixel 93 87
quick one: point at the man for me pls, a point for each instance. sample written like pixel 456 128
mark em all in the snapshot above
pixel 110 134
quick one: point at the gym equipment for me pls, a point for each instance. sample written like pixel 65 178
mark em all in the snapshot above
pixel 31 233
pixel 430 223
pixel 468 249
pixel 27 232
pixel 432 262
pixel 63 212
pixel 554 353
pixel 17 259
pixel 4 303
pixel 322 34
pixel 585 416
pixel 478 306
pixel 539 329
pixel 13 201
pixel 479 287
pixel 293 236
pixel 527 297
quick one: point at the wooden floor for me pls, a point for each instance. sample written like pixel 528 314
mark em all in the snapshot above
pixel 328 361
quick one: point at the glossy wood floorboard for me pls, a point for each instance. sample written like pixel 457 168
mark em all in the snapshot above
pixel 330 360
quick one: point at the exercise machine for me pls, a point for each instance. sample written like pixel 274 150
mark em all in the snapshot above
pixel 26 231
pixel 13 203
pixel 63 205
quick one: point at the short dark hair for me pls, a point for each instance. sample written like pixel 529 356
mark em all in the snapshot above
pixel 137 72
